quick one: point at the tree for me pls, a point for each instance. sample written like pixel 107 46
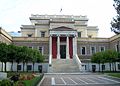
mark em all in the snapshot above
pixel 2 53
pixel 115 23
pixel 108 56
pixel 96 58
pixel 11 54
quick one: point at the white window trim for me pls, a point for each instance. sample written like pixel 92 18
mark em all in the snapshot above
pixel 100 48
pixel 116 47
pixel 42 49
pixel 85 50
pixel 91 49
pixel 41 34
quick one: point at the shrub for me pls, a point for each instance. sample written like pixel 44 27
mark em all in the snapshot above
pixel 6 82
pixel 19 83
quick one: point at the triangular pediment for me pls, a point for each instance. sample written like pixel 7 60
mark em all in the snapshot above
pixel 62 28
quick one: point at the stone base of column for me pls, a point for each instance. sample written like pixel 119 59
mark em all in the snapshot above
pixel 50 59
pixel 58 56
pixel 67 56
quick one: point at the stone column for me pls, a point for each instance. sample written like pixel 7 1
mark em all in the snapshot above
pixel 67 48
pixel 36 32
pixel 50 50
pixel 73 40
pixel 58 47
pixel 75 45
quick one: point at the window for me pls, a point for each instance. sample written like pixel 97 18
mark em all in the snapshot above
pixel 118 66
pixel 93 68
pixel 85 67
pixel 79 34
pixel 117 47
pixel 93 50
pixel 83 50
pixel 29 35
pixel 89 36
pixel 42 34
pixel 41 50
pixel 18 67
pixel 40 68
pixel 29 67
pixel 102 48
pixel 31 47
pixel 103 67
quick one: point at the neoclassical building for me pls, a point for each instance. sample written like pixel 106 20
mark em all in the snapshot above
pixel 66 41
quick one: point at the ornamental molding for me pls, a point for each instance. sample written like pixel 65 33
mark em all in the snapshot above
pixel 67 33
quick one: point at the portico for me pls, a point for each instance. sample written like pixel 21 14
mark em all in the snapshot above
pixel 62 43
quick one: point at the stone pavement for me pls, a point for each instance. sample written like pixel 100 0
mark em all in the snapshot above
pixel 79 80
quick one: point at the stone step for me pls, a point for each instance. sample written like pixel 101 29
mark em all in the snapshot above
pixel 64 66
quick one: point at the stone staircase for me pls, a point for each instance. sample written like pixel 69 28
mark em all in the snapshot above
pixel 64 66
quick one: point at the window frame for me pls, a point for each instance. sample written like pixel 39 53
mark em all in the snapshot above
pixel 118 66
pixel 91 49
pixel 42 35
pixel 29 35
pixel 19 67
pixel 101 47
pixel 117 47
pixel 30 67
pixel 42 49
pixel 103 67
pixel 79 34
pixel 31 47
pixel 85 50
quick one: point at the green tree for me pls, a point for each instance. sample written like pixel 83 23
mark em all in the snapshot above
pixel 11 54
pixel 112 58
pixel 96 58
pixel 2 53
pixel 115 23
pixel 108 56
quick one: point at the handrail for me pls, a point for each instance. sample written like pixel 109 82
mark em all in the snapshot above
pixel 78 61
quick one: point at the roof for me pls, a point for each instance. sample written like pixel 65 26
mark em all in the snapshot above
pixel 28 26
pixel 62 28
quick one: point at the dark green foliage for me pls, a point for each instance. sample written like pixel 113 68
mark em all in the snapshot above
pixel 12 53
pixel 32 82
pixel 108 56
pixel 115 23
pixel 5 82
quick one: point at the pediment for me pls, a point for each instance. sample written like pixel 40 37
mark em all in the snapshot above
pixel 62 28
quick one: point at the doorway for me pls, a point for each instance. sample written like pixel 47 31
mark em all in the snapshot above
pixel 63 51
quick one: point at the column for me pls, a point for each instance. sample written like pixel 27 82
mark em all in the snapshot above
pixel 36 32
pixel 58 47
pixel 67 48
pixel 50 50
pixel 75 45
pixel 73 39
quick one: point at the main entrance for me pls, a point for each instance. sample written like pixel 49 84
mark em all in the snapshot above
pixel 63 51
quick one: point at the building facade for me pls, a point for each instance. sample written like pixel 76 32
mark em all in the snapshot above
pixel 66 40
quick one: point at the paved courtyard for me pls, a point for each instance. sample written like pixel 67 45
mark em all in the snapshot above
pixel 79 80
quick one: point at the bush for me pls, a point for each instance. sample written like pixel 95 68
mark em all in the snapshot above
pixel 19 83
pixel 26 77
pixel 5 82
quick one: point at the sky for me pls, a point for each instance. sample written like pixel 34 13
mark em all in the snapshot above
pixel 14 13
